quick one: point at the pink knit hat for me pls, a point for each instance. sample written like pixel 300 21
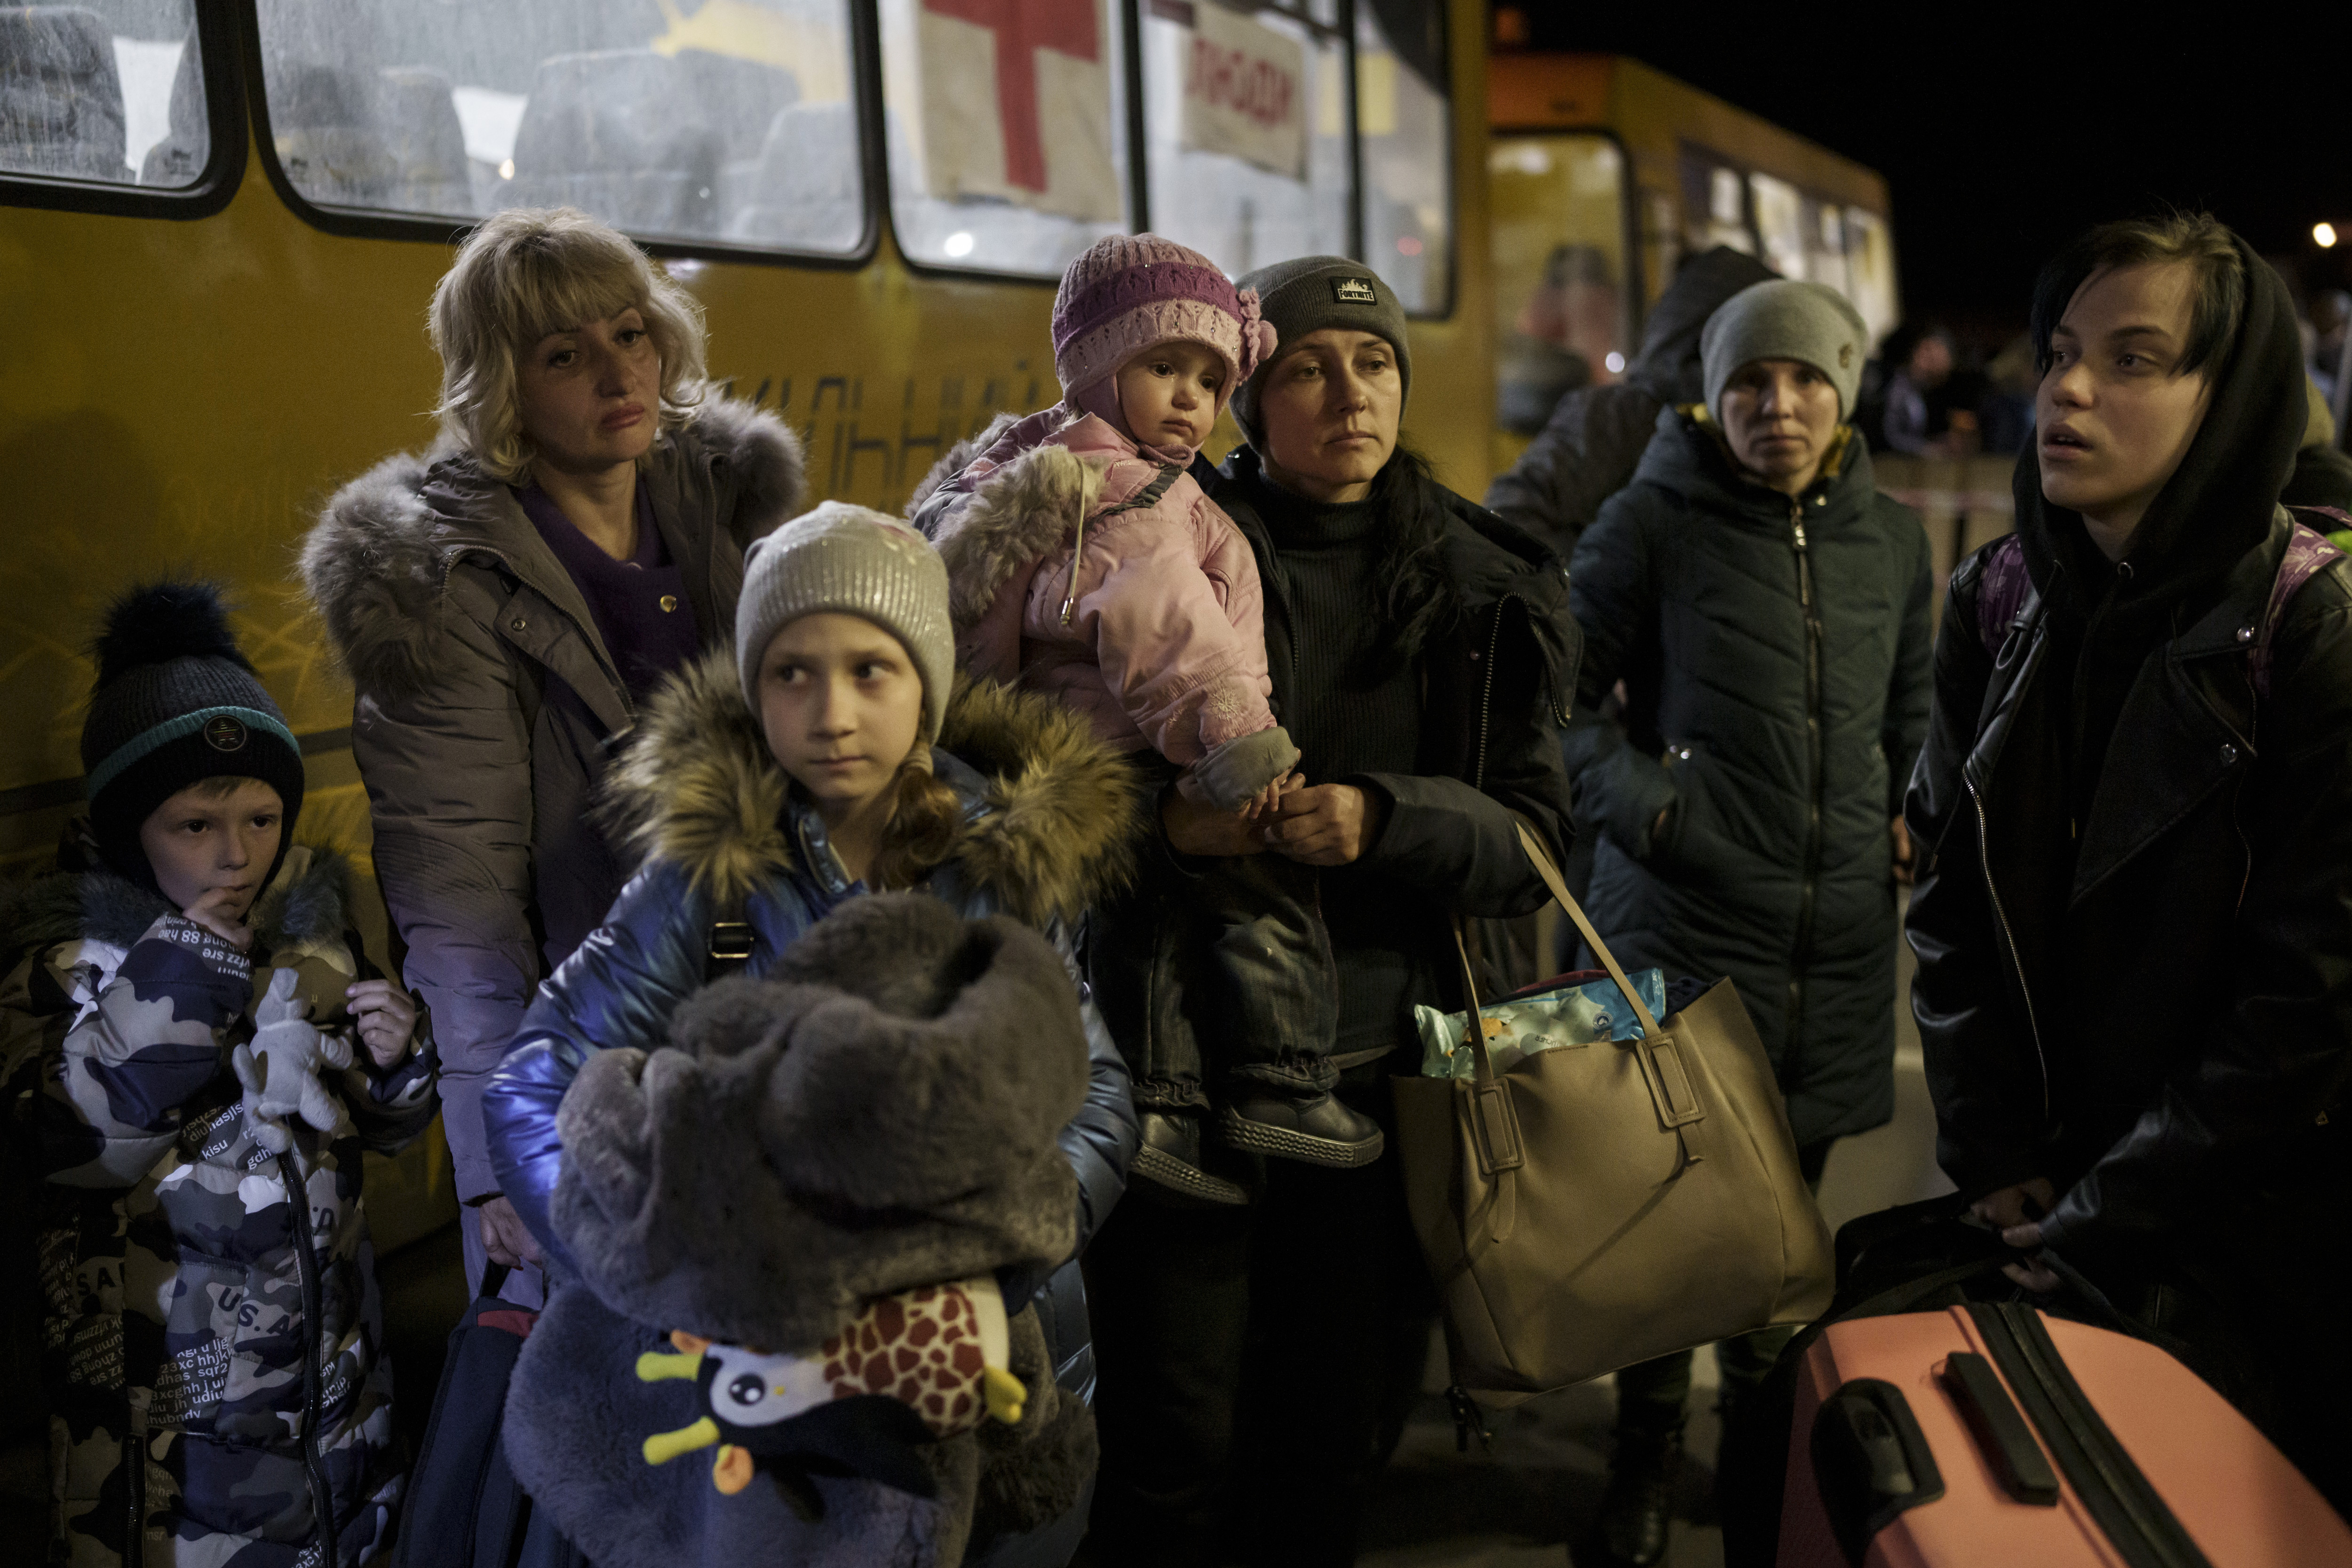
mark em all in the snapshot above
pixel 1130 291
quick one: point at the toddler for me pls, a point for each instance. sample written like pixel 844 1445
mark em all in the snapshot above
pixel 199 1053
pixel 1086 561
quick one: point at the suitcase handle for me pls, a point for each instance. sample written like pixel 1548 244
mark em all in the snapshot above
pixel 1871 1461
pixel 1999 1430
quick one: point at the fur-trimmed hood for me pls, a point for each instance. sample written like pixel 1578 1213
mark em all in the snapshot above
pixel 1052 816
pixel 1017 491
pixel 1021 510
pixel 377 563
pixel 309 903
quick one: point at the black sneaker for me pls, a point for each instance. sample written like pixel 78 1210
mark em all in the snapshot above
pixel 1171 1158
pixel 1307 1124
pixel 1636 1512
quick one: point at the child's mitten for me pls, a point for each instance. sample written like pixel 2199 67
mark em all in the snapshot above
pixel 292 1050
pixel 1232 772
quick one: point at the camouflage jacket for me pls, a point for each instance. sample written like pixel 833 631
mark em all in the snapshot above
pixel 211 1351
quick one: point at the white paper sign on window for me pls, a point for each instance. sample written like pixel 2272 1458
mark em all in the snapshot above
pixel 1016 104
pixel 1244 93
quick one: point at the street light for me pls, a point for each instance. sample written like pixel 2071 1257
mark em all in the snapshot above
pixel 2322 235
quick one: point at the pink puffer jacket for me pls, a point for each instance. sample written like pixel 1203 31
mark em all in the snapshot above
pixel 1080 567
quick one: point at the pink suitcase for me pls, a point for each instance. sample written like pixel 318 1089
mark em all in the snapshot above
pixel 1991 1434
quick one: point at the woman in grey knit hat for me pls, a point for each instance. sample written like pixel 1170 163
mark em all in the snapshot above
pixel 1768 611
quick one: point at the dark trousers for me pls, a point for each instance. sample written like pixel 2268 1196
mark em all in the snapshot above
pixel 1650 1394
pixel 1256 1367
pixel 1226 970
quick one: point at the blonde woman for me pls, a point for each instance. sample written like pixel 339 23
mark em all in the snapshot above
pixel 504 601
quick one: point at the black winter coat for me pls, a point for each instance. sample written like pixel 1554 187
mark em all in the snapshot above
pixel 2162 1034
pixel 1589 448
pixel 1775 656
pixel 1494 691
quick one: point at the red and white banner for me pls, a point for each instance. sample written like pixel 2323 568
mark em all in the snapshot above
pixel 1244 93
pixel 1016 104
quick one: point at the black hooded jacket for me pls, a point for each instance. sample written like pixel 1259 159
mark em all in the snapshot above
pixel 1589 448
pixel 2134 926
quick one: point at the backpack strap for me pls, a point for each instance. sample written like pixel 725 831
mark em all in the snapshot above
pixel 2308 552
pixel 731 939
pixel 2000 591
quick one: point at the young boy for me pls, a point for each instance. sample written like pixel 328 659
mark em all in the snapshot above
pixel 198 1052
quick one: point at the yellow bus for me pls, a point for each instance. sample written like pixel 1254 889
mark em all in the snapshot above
pixel 221 220
pixel 1604 174
pixel 220 224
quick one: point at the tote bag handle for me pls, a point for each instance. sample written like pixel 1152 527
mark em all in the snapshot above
pixel 1672 1091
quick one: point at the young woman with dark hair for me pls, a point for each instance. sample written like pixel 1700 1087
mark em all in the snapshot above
pixel 2135 982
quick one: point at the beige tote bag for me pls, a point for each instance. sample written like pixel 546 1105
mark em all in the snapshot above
pixel 1600 1205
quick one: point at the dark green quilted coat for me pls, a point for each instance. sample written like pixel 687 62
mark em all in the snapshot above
pixel 1774 652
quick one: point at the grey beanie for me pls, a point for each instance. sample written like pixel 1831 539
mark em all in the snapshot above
pixel 861 563
pixel 1782 319
pixel 1307 295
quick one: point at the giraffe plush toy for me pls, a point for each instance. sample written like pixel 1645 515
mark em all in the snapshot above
pixel 941 1352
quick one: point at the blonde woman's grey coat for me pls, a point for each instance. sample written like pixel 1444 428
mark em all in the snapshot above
pixel 486 705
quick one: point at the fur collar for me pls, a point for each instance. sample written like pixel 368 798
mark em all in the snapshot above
pixel 1021 511
pixel 1056 813
pixel 308 902
pixel 377 561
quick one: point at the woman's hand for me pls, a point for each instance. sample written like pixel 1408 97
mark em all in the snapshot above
pixel 387 1019
pixel 1906 860
pixel 504 1236
pixel 1324 825
pixel 1203 830
pixel 2014 1211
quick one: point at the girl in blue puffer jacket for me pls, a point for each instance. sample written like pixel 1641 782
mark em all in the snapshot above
pixel 834 757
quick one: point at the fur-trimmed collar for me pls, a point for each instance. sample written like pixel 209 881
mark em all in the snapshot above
pixel 1056 814
pixel 1017 513
pixel 308 902
pixel 377 562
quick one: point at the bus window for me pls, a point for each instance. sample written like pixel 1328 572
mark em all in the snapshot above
pixel 1715 204
pixel 110 91
pixel 1246 144
pixel 1779 219
pixel 1004 126
pixel 1404 124
pixel 733 123
pixel 1870 271
pixel 1563 287
pixel 1823 227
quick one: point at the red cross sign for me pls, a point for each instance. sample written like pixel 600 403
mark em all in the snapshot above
pixel 1021 28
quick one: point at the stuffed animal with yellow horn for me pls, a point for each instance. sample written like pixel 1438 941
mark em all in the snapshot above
pixel 941 1353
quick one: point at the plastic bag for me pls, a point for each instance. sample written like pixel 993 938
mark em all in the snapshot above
pixel 1572 1015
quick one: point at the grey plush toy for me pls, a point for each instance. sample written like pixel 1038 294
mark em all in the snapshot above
pixel 280 1069
pixel 811 1195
